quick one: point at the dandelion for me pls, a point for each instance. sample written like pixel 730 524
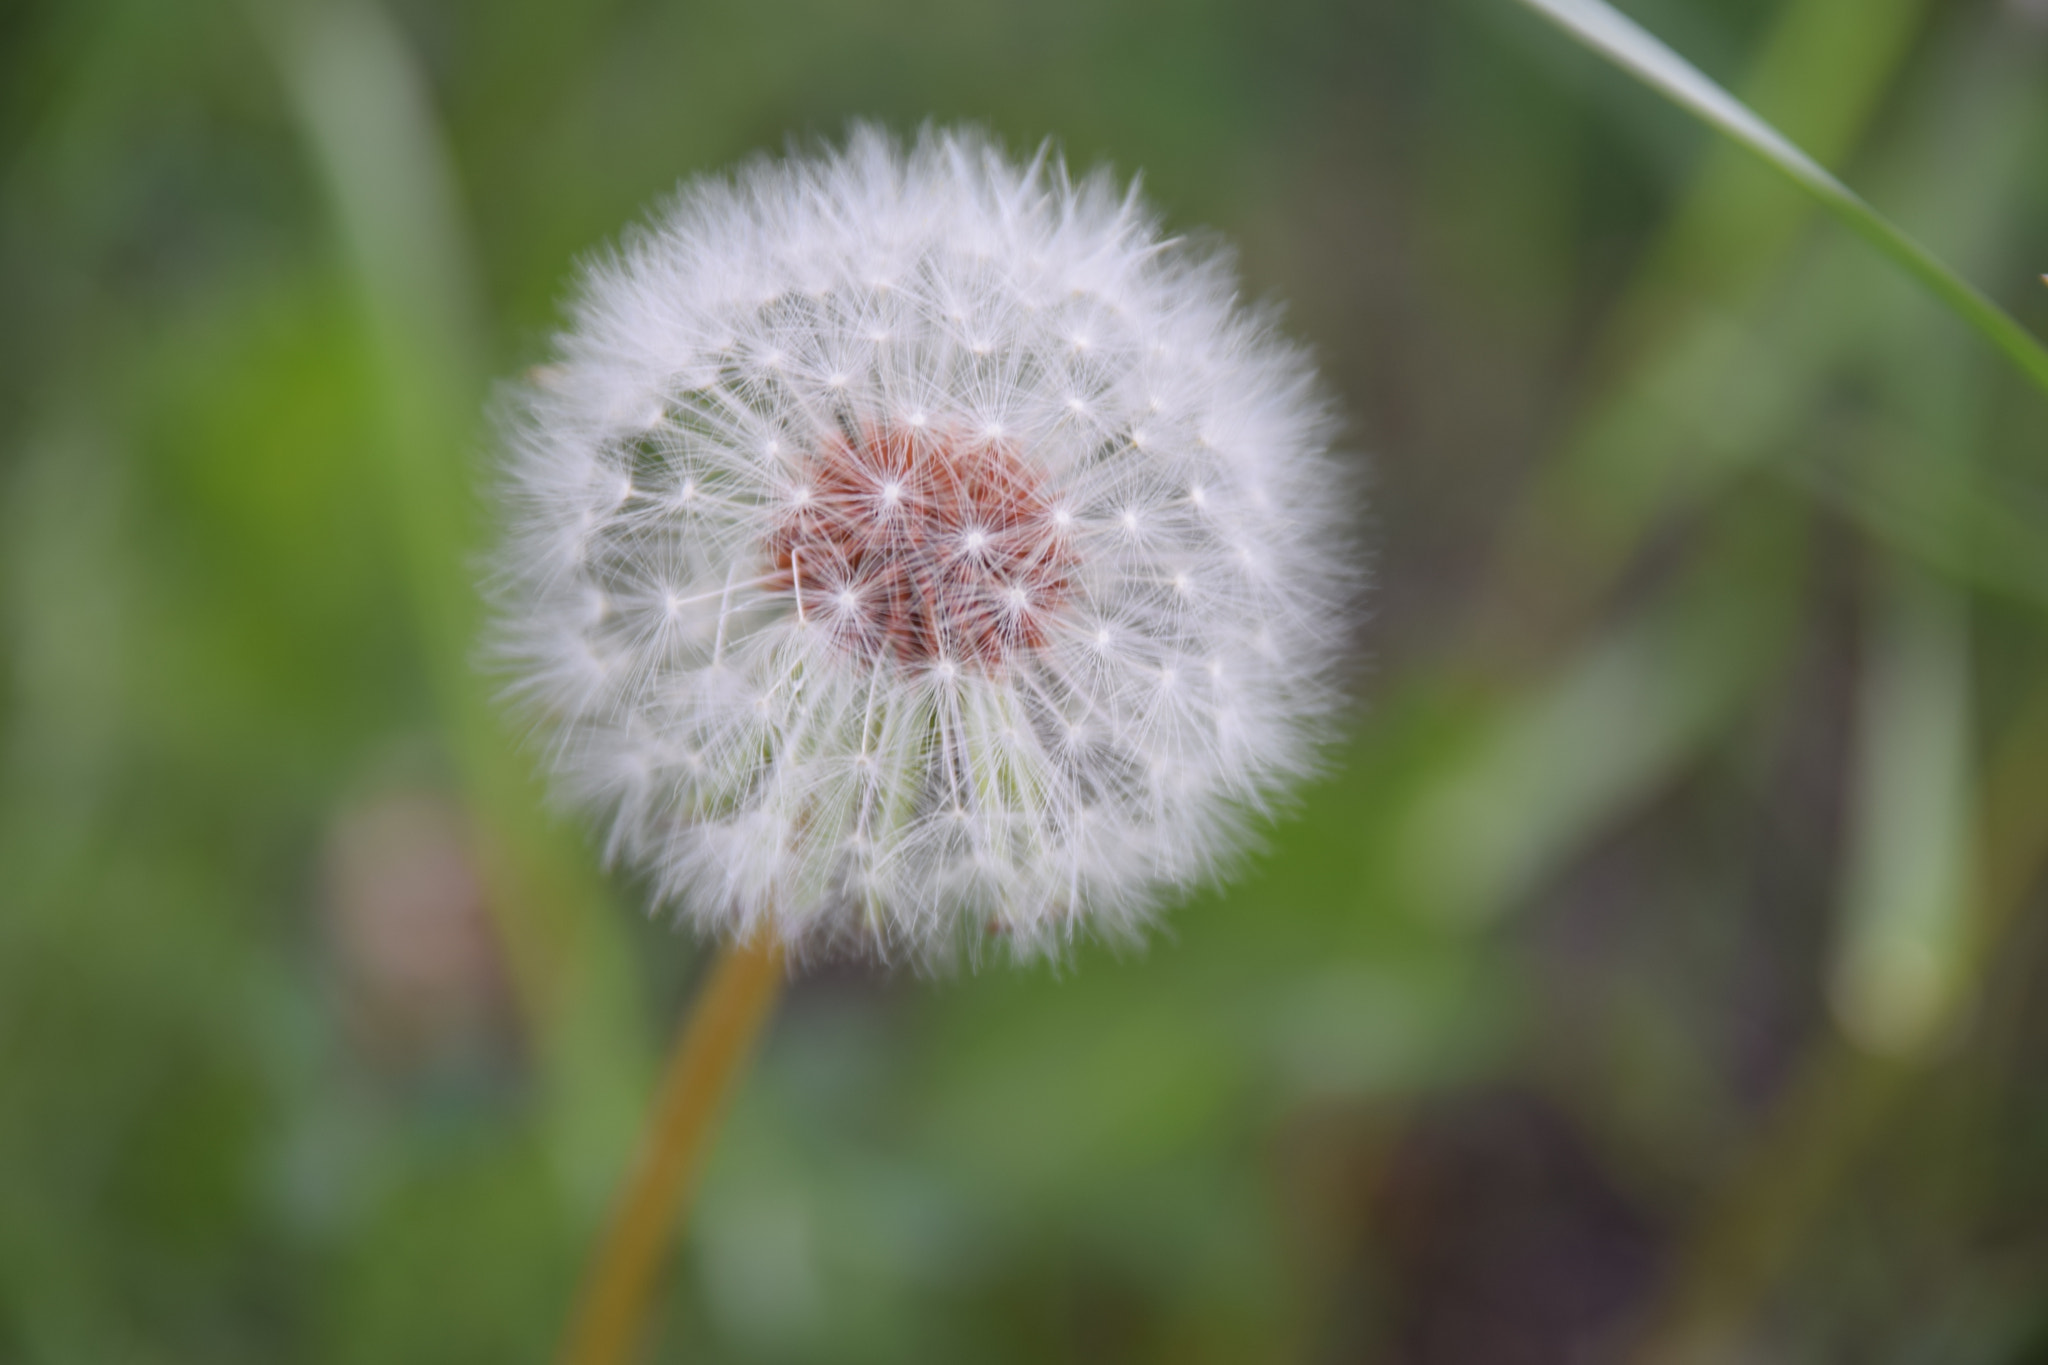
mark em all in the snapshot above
pixel 910 545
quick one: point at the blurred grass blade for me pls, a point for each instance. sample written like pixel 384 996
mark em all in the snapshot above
pixel 391 185
pixel 1601 27
pixel 1566 759
pixel 368 121
pixel 1903 938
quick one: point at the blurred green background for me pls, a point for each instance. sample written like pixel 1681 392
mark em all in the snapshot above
pixel 1657 975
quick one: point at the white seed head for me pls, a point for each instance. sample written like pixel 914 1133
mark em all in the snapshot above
pixel 922 490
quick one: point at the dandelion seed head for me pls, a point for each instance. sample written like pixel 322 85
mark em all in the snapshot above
pixel 879 561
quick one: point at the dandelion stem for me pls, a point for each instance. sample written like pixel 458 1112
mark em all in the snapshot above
pixel 710 1053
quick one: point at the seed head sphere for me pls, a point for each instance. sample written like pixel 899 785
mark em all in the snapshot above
pixel 910 548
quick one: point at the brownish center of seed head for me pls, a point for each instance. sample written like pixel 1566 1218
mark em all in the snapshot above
pixel 924 547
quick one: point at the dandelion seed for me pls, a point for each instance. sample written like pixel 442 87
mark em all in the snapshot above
pixel 939 686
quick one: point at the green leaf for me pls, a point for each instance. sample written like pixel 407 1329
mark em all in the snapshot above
pixel 1606 30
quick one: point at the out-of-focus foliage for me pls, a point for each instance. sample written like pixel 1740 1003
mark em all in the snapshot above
pixel 1657 971
pixel 1605 29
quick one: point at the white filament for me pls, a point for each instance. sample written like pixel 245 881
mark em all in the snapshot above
pixel 771 775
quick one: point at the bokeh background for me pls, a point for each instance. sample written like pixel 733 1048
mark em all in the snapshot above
pixel 1657 976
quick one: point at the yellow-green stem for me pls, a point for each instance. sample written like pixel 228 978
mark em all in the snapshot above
pixel 710 1053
